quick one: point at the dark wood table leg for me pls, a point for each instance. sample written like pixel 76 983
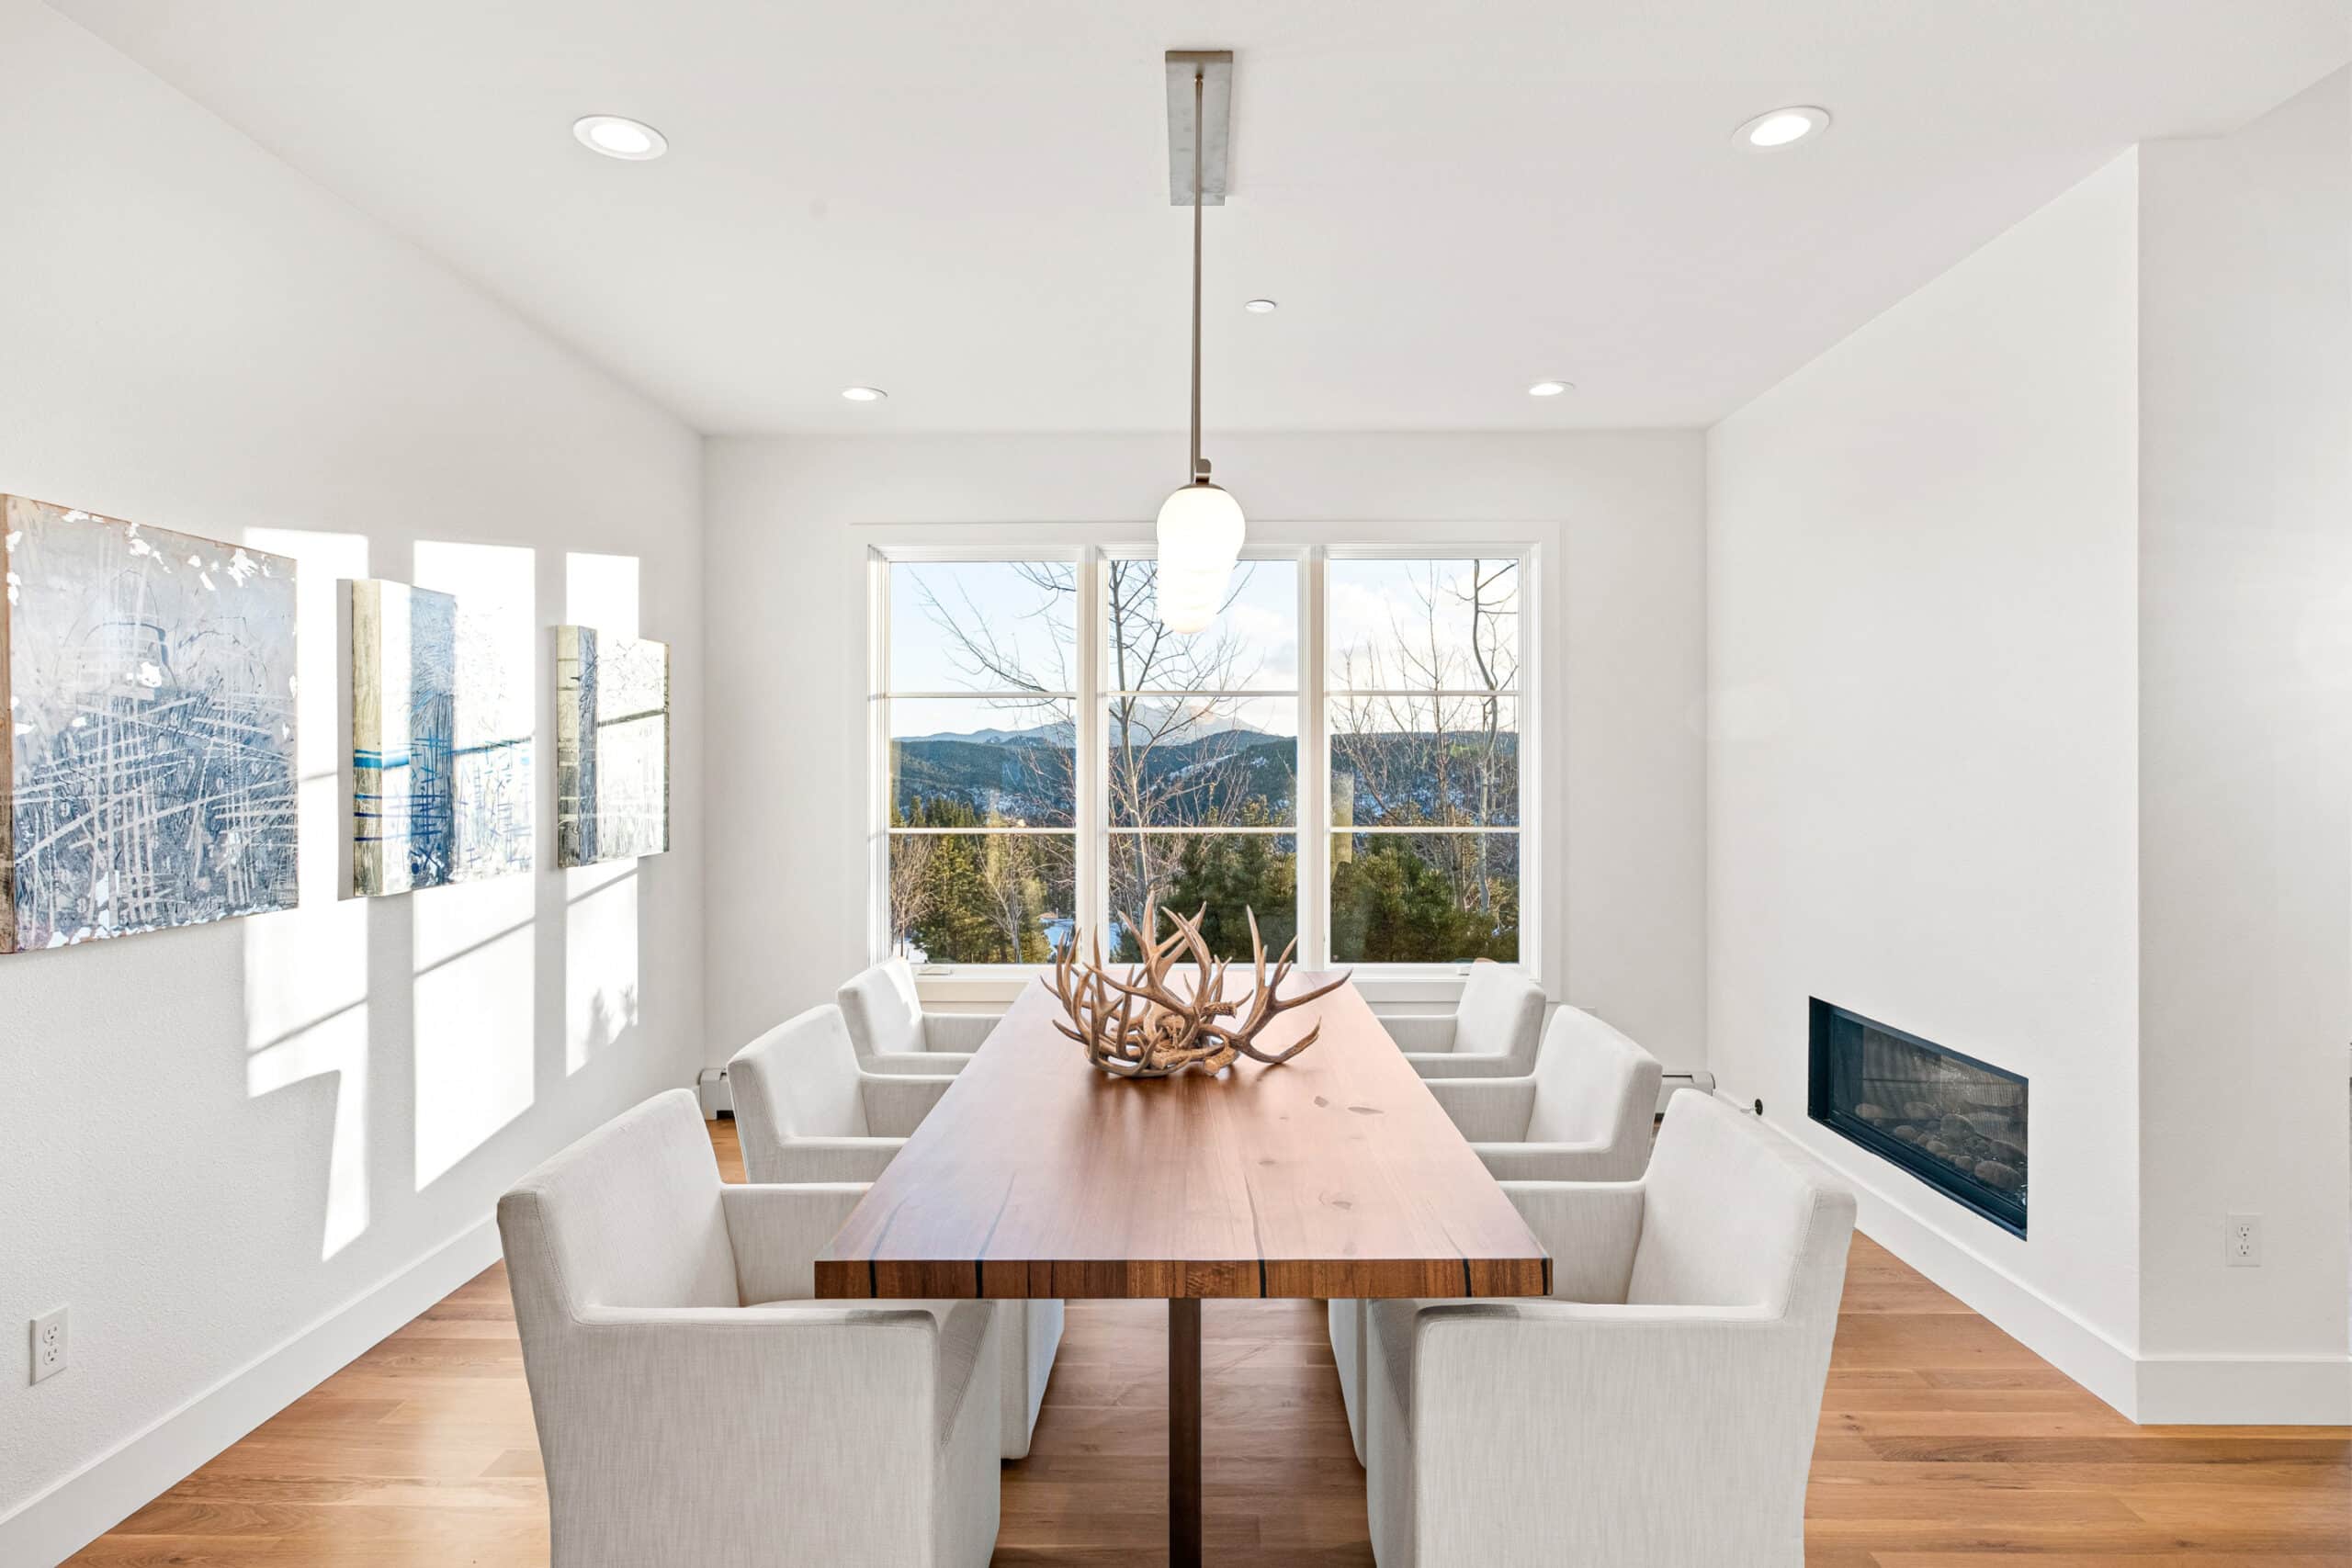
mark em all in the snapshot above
pixel 1185 1432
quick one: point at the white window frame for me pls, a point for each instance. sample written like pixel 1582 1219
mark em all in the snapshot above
pixel 1406 983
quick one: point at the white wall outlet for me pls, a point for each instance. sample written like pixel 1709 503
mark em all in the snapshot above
pixel 2242 1241
pixel 49 1344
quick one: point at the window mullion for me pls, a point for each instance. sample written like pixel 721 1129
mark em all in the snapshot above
pixel 1314 773
pixel 1089 768
pixel 877 757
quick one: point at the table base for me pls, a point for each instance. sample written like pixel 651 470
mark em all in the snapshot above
pixel 1185 1432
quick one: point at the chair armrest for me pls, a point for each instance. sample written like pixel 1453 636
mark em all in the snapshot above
pixel 725 1396
pixel 1463 1065
pixel 1509 1161
pixel 965 1032
pixel 895 1106
pixel 1590 1228
pixel 1420 1032
pixel 802 1161
pixel 971 1387
pixel 1616 1407
pixel 1487 1110
pixel 914 1064
pixel 778 1233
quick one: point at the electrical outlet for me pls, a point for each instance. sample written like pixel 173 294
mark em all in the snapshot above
pixel 49 1344
pixel 2242 1241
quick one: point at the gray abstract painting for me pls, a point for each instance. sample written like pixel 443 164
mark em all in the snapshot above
pixel 612 746
pixel 440 743
pixel 148 757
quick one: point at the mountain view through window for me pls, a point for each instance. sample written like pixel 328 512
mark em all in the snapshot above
pixel 1021 775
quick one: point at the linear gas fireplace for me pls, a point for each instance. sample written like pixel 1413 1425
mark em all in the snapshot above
pixel 1955 1122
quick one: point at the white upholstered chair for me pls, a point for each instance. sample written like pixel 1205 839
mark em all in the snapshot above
pixel 892 1033
pixel 805 1113
pixel 1659 1410
pixel 695 1406
pixel 1490 1033
pixel 1584 1114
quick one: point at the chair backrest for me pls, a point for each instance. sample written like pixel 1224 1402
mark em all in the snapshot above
pixel 1728 1219
pixel 1595 1085
pixel 629 1216
pixel 881 1008
pixel 1501 1014
pixel 798 1080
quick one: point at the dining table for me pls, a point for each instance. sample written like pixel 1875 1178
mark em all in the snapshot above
pixel 1335 1174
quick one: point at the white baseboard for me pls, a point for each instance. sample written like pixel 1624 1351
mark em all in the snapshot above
pixel 59 1522
pixel 2245 1390
pixel 2076 1349
pixel 2161 1390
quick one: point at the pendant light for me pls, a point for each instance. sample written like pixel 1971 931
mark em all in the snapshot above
pixel 1201 527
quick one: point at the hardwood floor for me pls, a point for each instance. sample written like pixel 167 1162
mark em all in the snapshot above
pixel 1943 1443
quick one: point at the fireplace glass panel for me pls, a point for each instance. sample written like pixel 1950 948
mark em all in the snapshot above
pixel 1955 1122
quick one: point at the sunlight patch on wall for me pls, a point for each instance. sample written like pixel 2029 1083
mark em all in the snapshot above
pixel 601 591
pixel 305 969
pixel 601 901
pixel 600 959
pixel 474 948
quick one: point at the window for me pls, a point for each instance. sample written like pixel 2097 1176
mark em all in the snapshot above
pixel 979 690
pixel 1202 757
pixel 1422 709
pixel 1051 756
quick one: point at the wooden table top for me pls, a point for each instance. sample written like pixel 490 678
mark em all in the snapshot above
pixel 1335 1174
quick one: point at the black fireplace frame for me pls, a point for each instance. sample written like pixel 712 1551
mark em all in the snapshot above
pixel 2006 1210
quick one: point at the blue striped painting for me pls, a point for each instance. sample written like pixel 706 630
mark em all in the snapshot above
pixel 403 734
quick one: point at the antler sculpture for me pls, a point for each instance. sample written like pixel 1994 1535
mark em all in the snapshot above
pixel 1144 1027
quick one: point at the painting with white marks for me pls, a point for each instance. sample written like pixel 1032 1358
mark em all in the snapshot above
pixel 612 746
pixel 148 759
pixel 492 784
pixel 440 740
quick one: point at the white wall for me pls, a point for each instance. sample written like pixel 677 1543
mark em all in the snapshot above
pixel 1922 792
pixel 213 1141
pixel 1620 519
pixel 2246 748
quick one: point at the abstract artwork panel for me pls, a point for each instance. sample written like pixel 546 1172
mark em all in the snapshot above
pixel 403 737
pixel 441 721
pixel 149 755
pixel 612 746
pixel 494 793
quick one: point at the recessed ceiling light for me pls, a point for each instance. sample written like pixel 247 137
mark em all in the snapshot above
pixel 1258 306
pixel 618 136
pixel 864 394
pixel 1780 128
pixel 1550 389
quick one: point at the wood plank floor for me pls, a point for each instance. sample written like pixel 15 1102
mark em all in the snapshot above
pixel 1943 1443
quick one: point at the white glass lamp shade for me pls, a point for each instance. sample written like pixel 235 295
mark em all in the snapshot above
pixel 1201 532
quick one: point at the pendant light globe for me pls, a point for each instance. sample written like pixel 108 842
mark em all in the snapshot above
pixel 1199 536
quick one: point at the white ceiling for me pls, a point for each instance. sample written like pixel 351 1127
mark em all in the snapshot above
pixel 968 204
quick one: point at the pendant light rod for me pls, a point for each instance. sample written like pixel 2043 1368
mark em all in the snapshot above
pixel 1201 530
pixel 1200 96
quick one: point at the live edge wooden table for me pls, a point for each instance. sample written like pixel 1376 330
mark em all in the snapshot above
pixel 1334 1175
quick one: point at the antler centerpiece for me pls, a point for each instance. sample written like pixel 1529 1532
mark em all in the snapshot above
pixel 1144 1027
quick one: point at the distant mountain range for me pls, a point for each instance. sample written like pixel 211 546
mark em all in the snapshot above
pixel 1149 720
pixel 1038 735
pixel 1024 774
